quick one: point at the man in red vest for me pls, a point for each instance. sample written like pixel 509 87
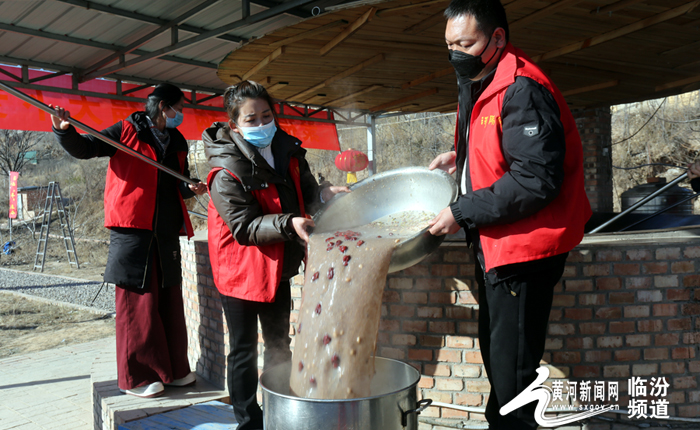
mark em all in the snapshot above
pixel 519 164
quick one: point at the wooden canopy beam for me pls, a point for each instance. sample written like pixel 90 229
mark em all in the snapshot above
pixel 353 96
pixel 428 78
pixel 277 86
pixel 425 24
pixel 590 88
pixel 349 31
pixel 682 82
pixel 518 4
pixel 404 100
pixel 451 106
pixel 682 48
pixel 392 11
pixel 614 6
pixel 308 34
pixel 542 13
pixel 264 62
pixel 339 76
pixel 622 31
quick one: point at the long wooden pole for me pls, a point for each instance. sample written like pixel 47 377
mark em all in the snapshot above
pixel 95 133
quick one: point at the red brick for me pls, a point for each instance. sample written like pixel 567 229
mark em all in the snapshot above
pixel 449 384
pixel 620 298
pixel 596 270
pixel 668 253
pixel 694 366
pixel 591 299
pixel 576 285
pixel 468 399
pixel 432 341
pixel 678 294
pixel 655 268
pixel 622 327
pixel 473 357
pixel 592 328
pixel 569 271
pixel 439 298
pixel 637 311
pixel 597 356
pixel 608 313
pixel 478 386
pixel 437 370
pixel 616 371
pixel 638 340
pixel 672 367
pixel 561 329
pixel 566 357
pixel 466 270
pixel 432 284
pixel 586 371
pixel 608 255
pixel 649 325
pixel 563 300
pixel 666 339
pixel 679 324
pixel 642 282
pixel 579 342
pixel 656 354
pixel 458 312
pixel 553 343
pixel 428 312
pixel 414 326
pixel 626 269
pixel 691 281
pixel 420 354
pixel 690 309
pixel 458 257
pixel 401 311
pixel 578 314
pixel 449 270
pixel 639 254
pixel 609 342
pixel 666 281
pixel 459 342
pixel 576 256
pixel 683 267
pixel 467 371
pixel 683 353
pixel 441 327
pixel 416 270
pixel 426 382
pixel 400 283
pixel 645 369
pixel 685 382
pixel 388 325
pixel 692 252
pixel 627 355
pixel 467 298
pixel 468 328
pixel 649 296
pixel 691 338
pixel 608 283
pixel 452 356
pixel 390 296
pixel 417 298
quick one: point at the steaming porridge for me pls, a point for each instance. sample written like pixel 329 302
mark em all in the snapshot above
pixel 336 337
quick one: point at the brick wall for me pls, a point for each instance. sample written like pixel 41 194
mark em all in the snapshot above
pixel 621 310
pixel 594 126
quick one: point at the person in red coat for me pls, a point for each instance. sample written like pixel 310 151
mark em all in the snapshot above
pixel 146 214
pixel 519 164
pixel 262 190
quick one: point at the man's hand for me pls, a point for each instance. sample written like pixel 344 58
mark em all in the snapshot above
pixel 302 226
pixel 328 192
pixel 694 170
pixel 60 118
pixel 199 188
pixel 444 223
pixel 445 161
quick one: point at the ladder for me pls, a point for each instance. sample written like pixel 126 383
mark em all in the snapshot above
pixel 53 194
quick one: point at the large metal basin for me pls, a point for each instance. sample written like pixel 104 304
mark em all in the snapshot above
pixel 410 188
pixel 391 405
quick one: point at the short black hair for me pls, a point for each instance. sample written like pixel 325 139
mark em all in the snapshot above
pixel 489 14
pixel 236 95
pixel 168 93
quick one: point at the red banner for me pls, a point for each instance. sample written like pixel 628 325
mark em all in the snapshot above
pixel 13 194
pixel 100 113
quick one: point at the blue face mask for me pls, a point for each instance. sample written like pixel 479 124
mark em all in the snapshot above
pixel 261 136
pixel 174 122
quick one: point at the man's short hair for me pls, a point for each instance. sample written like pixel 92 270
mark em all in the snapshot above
pixel 489 14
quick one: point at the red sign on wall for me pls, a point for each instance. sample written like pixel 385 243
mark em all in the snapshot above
pixel 14 176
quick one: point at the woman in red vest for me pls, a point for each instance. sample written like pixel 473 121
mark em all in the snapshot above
pixel 146 214
pixel 261 189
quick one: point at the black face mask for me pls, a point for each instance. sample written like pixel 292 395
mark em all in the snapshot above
pixel 466 65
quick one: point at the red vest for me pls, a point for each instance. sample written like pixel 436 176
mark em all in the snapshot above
pixel 130 188
pixel 248 272
pixel 558 227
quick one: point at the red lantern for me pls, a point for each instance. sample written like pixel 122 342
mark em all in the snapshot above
pixel 351 161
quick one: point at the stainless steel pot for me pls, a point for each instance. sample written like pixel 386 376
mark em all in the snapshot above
pixel 409 188
pixel 392 404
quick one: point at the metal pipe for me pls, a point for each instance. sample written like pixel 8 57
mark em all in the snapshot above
pixel 661 211
pixel 95 133
pixel 640 203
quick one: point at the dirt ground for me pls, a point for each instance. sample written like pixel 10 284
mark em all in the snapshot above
pixel 32 325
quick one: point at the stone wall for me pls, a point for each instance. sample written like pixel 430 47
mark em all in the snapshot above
pixel 622 309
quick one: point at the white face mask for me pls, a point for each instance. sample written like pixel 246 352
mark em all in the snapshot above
pixel 260 136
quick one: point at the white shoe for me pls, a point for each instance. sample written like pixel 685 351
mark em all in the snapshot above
pixel 149 390
pixel 190 379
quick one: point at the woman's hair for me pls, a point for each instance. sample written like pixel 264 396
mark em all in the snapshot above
pixel 236 95
pixel 168 93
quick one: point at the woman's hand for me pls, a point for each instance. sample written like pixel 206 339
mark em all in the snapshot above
pixel 199 188
pixel 445 161
pixel 302 226
pixel 444 223
pixel 328 192
pixel 60 118
pixel 694 170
